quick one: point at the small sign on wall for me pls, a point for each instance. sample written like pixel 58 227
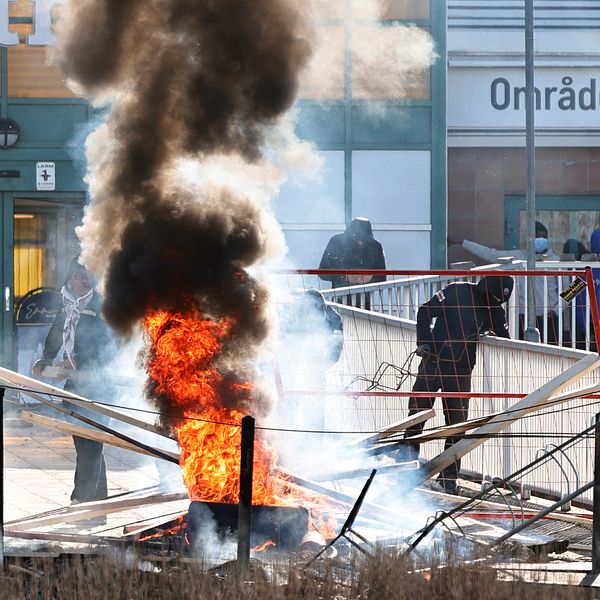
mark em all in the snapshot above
pixel 45 176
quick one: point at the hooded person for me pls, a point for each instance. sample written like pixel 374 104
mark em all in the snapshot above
pixel 80 343
pixel 546 305
pixel 449 325
pixel 574 247
pixel 356 248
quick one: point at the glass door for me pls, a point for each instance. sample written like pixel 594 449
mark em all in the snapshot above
pixel 42 231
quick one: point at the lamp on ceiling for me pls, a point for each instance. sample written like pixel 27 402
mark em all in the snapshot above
pixel 9 133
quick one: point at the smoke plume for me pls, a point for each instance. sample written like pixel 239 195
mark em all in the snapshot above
pixel 184 79
pixel 183 82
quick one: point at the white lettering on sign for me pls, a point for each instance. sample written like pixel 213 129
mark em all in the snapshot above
pixel 41 24
pixel 7 38
pixel 45 176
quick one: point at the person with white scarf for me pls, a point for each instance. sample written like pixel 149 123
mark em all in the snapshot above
pixel 80 340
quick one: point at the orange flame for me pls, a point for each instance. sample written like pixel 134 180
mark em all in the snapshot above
pixel 183 367
pixel 262 547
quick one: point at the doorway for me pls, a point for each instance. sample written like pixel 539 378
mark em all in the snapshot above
pixel 41 232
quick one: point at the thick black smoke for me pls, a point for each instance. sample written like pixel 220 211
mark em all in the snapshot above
pixel 183 79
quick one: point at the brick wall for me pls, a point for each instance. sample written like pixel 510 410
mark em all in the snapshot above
pixel 480 178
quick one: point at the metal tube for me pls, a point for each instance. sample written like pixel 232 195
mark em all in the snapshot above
pixel 593 304
pixel 596 525
pixel 531 333
pixel 245 506
pixel 543 513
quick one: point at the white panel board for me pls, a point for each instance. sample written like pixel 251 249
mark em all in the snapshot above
pixel 392 186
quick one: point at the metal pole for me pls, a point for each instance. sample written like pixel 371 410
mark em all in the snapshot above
pixel 531 333
pixel 596 526
pixel 589 278
pixel 245 507
pixel 2 391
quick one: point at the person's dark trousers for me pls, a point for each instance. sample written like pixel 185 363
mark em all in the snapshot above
pixel 90 471
pixel 448 377
pixel 90 468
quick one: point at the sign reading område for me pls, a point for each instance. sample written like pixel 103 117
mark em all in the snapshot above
pixel 565 98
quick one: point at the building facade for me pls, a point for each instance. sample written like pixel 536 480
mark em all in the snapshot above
pixel 383 141
pixel 42 128
pixel 379 129
pixel 486 122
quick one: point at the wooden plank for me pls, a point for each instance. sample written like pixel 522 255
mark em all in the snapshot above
pixel 89 510
pixel 374 511
pixel 90 434
pixel 411 465
pixel 458 428
pixel 60 373
pixel 154 498
pixel 75 538
pixel 61 408
pixel 401 425
pixel 135 530
pixel 531 403
pixel 35 389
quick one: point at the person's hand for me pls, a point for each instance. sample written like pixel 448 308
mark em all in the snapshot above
pixel 453 241
pixel 423 350
pixel 38 367
pixel 359 279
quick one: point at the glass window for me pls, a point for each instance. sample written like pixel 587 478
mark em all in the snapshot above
pixel 20 16
pixel 329 9
pixel 29 74
pixel 391 62
pixel 324 77
pixel 562 225
pixel 319 199
pixel 392 186
pixel 44 243
pixel 392 9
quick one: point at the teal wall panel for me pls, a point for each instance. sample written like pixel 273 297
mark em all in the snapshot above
pixel 382 126
pixel 322 123
pixel 48 124
pixel 69 175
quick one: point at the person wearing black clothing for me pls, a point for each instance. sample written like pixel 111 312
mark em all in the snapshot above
pixel 448 327
pixel 83 337
pixel 356 248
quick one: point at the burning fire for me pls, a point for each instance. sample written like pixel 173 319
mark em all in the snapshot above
pixel 264 546
pixel 183 366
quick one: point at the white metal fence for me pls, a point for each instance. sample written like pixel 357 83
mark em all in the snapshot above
pixel 402 297
pixel 503 367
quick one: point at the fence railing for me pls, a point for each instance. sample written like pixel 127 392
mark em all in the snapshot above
pixel 369 387
pixel 559 322
pixel 505 371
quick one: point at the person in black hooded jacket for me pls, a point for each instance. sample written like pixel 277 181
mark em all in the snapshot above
pixel 85 343
pixel 448 327
pixel 356 248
